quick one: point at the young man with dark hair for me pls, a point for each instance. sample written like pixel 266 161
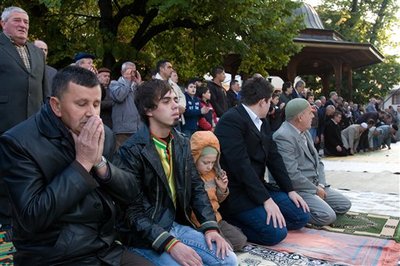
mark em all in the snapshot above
pixel 263 212
pixel 159 159
pixel 233 94
pixel 164 72
pixel 219 99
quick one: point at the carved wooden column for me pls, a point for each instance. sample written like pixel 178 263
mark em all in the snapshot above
pixel 292 69
pixel 325 83
pixel 338 68
pixel 350 83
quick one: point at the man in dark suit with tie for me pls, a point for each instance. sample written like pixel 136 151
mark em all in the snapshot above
pixel 304 165
pixel 233 94
pixel 23 83
pixel 264 213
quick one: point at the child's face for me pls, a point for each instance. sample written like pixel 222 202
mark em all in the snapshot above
pixel 275 100
pixel 191 89
pixel 206 163
pixel 207 95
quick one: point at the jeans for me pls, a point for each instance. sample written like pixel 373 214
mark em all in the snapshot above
pixel 193 239
pixel 313 132
pixel 253 222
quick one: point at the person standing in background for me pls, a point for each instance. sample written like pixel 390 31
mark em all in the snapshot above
pixel 50 71
pixel 104 76
pixel 125 116
pixel 218 94
pixel 233 94
pixel 85 60
pixel 165 72
pixel 23 81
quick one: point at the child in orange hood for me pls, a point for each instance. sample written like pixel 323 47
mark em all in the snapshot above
pixel 205 152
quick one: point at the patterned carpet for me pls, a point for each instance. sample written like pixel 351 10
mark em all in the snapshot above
pixel 387 205
pixel 6 249
pixel 254 255
pixel 375 225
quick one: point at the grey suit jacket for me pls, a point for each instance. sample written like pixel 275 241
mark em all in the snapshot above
pixel 303 163
pixel 22 92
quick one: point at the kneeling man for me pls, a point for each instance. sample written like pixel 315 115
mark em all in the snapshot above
pixel 304 165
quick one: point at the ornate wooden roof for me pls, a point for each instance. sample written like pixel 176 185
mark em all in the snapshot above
pixel 321 45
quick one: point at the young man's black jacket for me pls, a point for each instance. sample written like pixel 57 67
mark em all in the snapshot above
pixel 151 214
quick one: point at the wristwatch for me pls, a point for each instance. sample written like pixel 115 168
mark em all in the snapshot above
pixel 101 164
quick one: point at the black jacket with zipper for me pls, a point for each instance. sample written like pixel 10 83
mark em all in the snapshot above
pixel 151 214
pixel 62 215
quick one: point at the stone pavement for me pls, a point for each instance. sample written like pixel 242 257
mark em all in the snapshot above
pixel 371 180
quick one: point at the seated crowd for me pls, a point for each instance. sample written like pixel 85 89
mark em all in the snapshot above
pixel 133 172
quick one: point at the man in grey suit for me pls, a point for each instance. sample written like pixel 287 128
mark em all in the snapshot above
pixel 304 165
pixel 23 83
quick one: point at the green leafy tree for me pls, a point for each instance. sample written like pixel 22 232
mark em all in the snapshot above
pixel 366 21
pixel 195 35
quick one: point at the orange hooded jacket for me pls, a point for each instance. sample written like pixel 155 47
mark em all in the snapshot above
pixel 198 142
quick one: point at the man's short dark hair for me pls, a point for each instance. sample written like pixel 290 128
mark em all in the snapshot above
pixel 201 90
pixel 191 81
pixel 78 75
pixel 371 122
pixel 147 96
pixel 161 64
pixel 217 70
pixel 233 82
pixel 286 85
pixel 337 113
pixel 256 89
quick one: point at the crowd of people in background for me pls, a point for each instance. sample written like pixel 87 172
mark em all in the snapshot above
pixel 196 170
pixel 340 127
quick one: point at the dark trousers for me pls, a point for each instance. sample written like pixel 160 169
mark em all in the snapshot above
pixel 254 226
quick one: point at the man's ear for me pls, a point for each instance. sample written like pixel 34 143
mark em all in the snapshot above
pixel 55 106
pixel 149 113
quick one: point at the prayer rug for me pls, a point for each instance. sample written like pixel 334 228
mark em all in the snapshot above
pixel 366 224
pixel 255 255
pixel 6 250
pixel 340 248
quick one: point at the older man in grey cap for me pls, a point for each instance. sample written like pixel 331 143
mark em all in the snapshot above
pixel 304 165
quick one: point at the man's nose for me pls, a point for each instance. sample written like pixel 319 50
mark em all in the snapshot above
pixel 91 110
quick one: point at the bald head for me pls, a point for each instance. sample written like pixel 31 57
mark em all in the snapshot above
pixel 41 45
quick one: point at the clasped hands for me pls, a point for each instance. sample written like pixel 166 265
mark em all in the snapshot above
pixel 89 143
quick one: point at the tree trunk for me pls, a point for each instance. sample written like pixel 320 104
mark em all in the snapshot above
pixel 354 6
pixel 108 31
pixel 378 22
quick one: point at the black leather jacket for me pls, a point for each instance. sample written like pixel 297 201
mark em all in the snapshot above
pixel 152 213
pixel 62 215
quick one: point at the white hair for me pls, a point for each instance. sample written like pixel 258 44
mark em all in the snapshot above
pixel 126 65
pixel 9 10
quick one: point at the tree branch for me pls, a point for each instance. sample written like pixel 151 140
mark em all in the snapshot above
pixel 139 42
pixel 378 22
